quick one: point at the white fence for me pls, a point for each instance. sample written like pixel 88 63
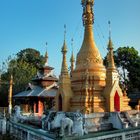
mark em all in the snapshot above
pixel 25 132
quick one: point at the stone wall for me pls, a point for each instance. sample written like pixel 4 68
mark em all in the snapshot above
pixel 97 122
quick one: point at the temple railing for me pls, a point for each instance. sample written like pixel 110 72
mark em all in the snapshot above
pixel 25 132
pixel 4 110
pixel 123 134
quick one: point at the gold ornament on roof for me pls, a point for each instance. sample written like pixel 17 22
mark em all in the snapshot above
pixel 46 56
pixel 89 1
pixel 88 15
pixel 64 48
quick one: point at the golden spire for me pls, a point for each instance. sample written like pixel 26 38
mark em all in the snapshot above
pixel 10 95
pixel 64 68
pixel 110 56
pixel 88 49
pixel 72 59
pixel 46 56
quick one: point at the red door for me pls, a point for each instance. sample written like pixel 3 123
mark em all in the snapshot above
pixel 40 108
pixel 117 102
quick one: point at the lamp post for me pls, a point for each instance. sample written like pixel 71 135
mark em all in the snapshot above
pixel 10 95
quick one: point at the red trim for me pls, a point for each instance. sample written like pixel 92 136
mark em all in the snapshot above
pixel 40 108
pixel 34 107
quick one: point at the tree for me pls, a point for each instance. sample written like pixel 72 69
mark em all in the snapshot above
pixel 127 61
pixel 22 72
pixel 134 75
pixel 23 68
pixel 126 58
pixel 31 56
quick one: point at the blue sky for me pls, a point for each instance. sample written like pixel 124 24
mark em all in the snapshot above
pixel 32 23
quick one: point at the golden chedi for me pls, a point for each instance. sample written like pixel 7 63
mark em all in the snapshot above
pixel 88 78
pixel 90 87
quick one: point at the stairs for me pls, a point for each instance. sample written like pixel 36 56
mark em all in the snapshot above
pixel 125 121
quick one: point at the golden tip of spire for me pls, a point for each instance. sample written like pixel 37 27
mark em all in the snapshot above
pixel 109 23
pixel 64 47
pixel 110 44
pixel 72 43
pixel 11 76
pixel 64 31
pixel 46 43
pixel 11 79
pixel 72 59
pixel 84 1
pixel 46 54
pixel 71 39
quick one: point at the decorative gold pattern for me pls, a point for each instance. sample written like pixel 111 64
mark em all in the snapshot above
pixel 88 16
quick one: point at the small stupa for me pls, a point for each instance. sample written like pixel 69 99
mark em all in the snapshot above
pixel 116 99
pixel 64 93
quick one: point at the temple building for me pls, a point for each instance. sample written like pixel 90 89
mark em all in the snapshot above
pixel 39 96
pixel 85 103
pixel 90 87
